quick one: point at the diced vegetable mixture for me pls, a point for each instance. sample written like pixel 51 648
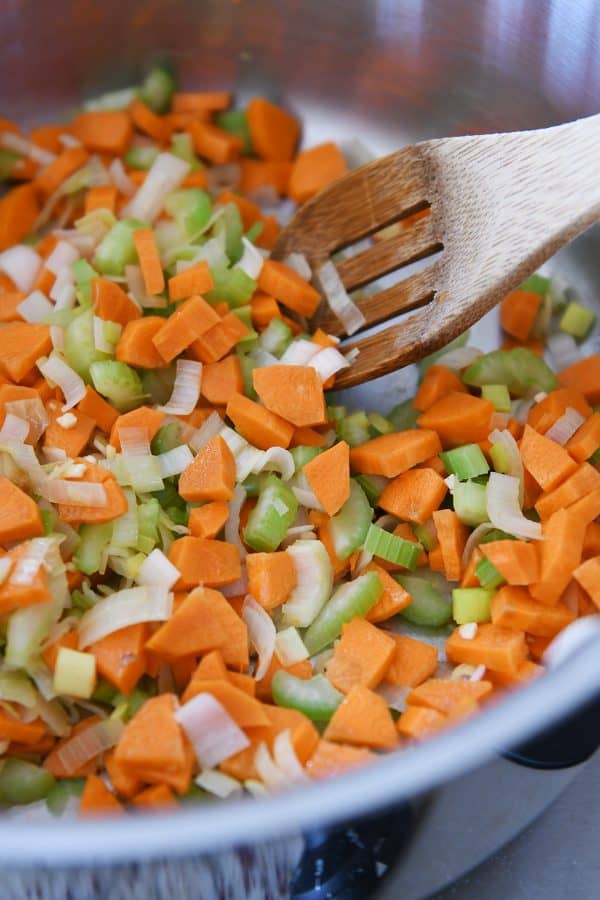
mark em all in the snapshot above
pixel 214 578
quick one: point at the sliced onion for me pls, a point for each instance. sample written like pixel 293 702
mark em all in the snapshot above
pixel 186 390
pixel 563 349
pixel 289 647
pixel 175 461
pixel 394 695
pixel 73 493
pixel 338 298
pixel 158 570
pixel 299 353
pixel 218 783
pixel 236 588
pixel 22 265
pixel 328 362
pixel 134 441
pixel 68 140
pixel 475 539
pixel 100 341
pixel 459 358
pixel 522 407
pixel 121 179
pixel 18 144
pixel 270 773
pixel 57 336
pixel 147 603
pixel 252 260
pixel 515 463
pixel 209 428
pixel 35 307
pixel 52 713
pixel 232 525
pixel 261 632
pixel 57 372
pixel 223 177
pixel 234 441
pixel 307 498
pixel 85 243
pixel 363 561
pixel 64 254
pixel 499 420
pixel 286 759
pixel 299 263
pixel 63 292
pixel 88 744
pixel 314 581
pixel 262 359
pixel 13 428
pixel 165 174
pixel 246 461
pixel 27 567
pixel 504 509
pixel 213 733
pixel 33 412
pixel 125 529
pixel 275 459
pixel 565 426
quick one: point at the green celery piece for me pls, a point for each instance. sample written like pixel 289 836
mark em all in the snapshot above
pixel 254 484
pixel 157 384
pixel 303 455
pixel 158 88
pixel 183 147
pixel 488 575
pixel 519 369
pixel 465 462
pixel 247 367
pixel 235 122
pixel 61 792
pixel 79 347
pixel 230 223
pixel 496 534
pixel 148 515
pixel 178 515
pixel 255 231
pixel 392 548
pixel 351 599
pixel 428 606
pixel 497 394
pixel 537 284
pixel 112 100
pixel 84 274
pixel 48 520
pixel 348 529
pixel 335 413
pixel 233 286
pixel 166 438
pixel 93 540
pixel 470 502
pixel 104 692
pixel 500 458
pixel 134 701
pixel 372 485
pixel 23 782
pixel 244 314
pixel 191 208
pixel 380 423
pixel 272 516
pixel 118 382
pixel 117 249
pixel 404 416
pixel 424 537
pixel 354 429
pixel 8 159
pixel 432 359
pixel 140 157
pixel 79 601
pixel 316 697
pixel 471 605
pixel 577 320
pixel 168 497
pixel 276 337
pixel 595 457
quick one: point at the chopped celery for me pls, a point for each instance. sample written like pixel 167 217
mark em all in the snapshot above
pixel 470 502
pixel 8 160
pixel 183 147
pixel 335 413
pixel 158 384
pixel 392 548
pixel 140 157
pixel 148 515
pixel 117 249
pixel 537 284
pixel 83 272
pixel 104 692
pixel 465 462
pixel 79 347
pixel 168 496
pixel 178 515
pixel 118 382
pixel 316 697
pixel 272 516
pixel 372 485
pixel 498 395
pixel 427 606
pixel 354 429
pixel 348 529
pixel 157 89
pixel 233 286
pixel 247 367
pixel 500 458
pixel 432 359
pixel 303 455
pixel 89 554
pixel 276 337
pixel 27 628
pixel 112 100
pixel 22 782
pixel 61 792
pixel 134 701
pixel 471 605
pixel 235 122
pixel 48 520
pixel 519 369
pixel 379 423
pixel 577 320
pixel 191 208
pixel 253 484
pixel 80 601
pixel 74 673
pixel 244 314
pixel 488 575
pixel 166 438
pixel 351 599
pixel 404 416
pixel 425 537
pixel 496 534
pixel 15 687
pixel 255 231
pixel 230 224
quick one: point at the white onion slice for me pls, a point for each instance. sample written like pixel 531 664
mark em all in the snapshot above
pixel 246 461
pixel 157 570
pixel 261 633
pixel 459 358
pixel 262 359
pixel 252 260
pixel 32 410
pixel 275 459
pixel 13 428
pixel 515 463
pixel 147 603
pixel 213 733
pixel 134 441
pixel 121 179
pixel 100 340
pixel 63 255
pixel 234 441
pixel 307 498
pixel 565 426
pixel 89 743
pixel 175 461
pixel 394 695
pixel 299 353
pixel 299 263
pixel 125 528
pixel 475 539
pixel 186 390
pixel 165 174
pixel 236 588
pixel 209 428
pixel 522 407
pixel 57 336
pixel 328 362
pixel 314 581
pixel 289 647
pixel 285 758
pixel 137 290
pixel 73 493
pixel 504 509
pixel 218 783
pixel 18 144
pixel 232 525
pixel 35 307
pixel 270 773
pixel 563 349
pixel 22 265
pixel 499 420
pixel 338 298
pixel 29 564
pixel 57 372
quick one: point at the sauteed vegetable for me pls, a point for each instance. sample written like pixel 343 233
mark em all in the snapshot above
pixel 214 577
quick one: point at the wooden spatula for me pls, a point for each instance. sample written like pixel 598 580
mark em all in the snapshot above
pixel 500 204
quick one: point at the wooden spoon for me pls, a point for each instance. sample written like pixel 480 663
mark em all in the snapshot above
pixel 499 205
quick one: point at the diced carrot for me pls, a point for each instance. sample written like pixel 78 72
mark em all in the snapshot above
pixel 249 212
pixel 361 657
pixel 222 379
pixel 517 561
pixel 526 672
pixel 74 439
pixel 560 553
pixel 258 173
pixel 443 695
pixel 52 176
pixel 149 260
pixel 513 607
pixel 591 541
pixel 97 800
pixel 19 210
pixel 146 121
pixel 200 102
pixel 264 308
pixel 97 408
pixel 413 661
pixel 14 595
pixel 103 131
pixel 219 340
pixel 9 303
pixel 9 393
pixel 452 535
pixel 584 376
pixel 125 785
pixel 301 669
pixel 392 601
pixel 414 495
pixel 211 475
pixel 545 413
pixel 315 168
pixel 208 562
pixel 420 722
pixel 582 482
pixel 245 683
pixel 362 719
pixel 587 509
pixel 215 144
pixel 247 711
pixel 271 577
pixel 293 392
pixel 142 417
pixel 283 283
pixel 392 454
pixel 207 521
pixel 45 281
pixel 307 437
pixel 19 514
pixel 331 759
pixel 469 578
pixel 495 647
pixel 136 343
pixel 518 313
pixel 547 461
pixel 537 646
pixel 458 419
pixel 12 729
pixel 22 345
pixel 258 425
pixel 115 506
pixel 69 639
pixel 329 477
pixel 210 668
pixel 195 280
pixel 438 381
pixel 304 735
pixel 191 319
pixel 273 131
pixel 587 574
pixel 120 656
pixel 102 196
pixel 48 137
pixel 159 797
pixel 586 439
